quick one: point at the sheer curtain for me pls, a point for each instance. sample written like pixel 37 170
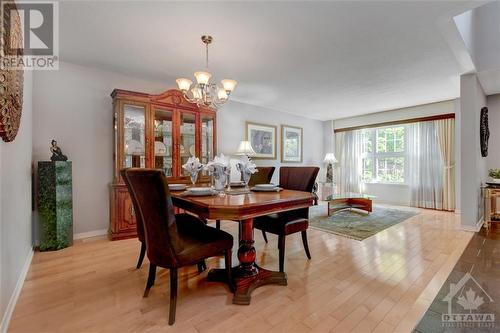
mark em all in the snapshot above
pixel 348 149
pixel 425 165
pixel 446 135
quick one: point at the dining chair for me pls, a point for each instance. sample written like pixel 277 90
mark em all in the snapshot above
pixel 289 222
pixel 173 240
pixel 262 176
pixel 140 227
pixel 138 220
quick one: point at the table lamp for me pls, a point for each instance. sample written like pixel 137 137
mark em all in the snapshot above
pixel 245 148
pixel 329 160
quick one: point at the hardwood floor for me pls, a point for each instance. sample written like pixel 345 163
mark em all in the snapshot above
pixel 481 259
pixel 382 284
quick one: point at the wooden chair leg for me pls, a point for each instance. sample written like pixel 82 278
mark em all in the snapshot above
pixel 173 295
pixel 264 235
pixel 217 224
pixel 281 246
pixel 202 266
pixel 141 255
pixel 306 246
pixel 229 269
pixel 151 279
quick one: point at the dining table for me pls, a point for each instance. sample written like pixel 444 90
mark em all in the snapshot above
pixel 242 208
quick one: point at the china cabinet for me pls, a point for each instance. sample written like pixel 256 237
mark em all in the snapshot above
pixel 155 131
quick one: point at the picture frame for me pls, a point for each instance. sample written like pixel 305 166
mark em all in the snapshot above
pixel 291 144
pixel 262 137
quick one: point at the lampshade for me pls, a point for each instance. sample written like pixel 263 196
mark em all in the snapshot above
pixel 228 84
pixel 222 94
pixel 196 93
pixel 202 77
pixel 330 158
pixel 245 148
pixel 184 84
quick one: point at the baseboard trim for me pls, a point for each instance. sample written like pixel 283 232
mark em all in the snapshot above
pixel 9 310
pixel 475 228
pixel 88 234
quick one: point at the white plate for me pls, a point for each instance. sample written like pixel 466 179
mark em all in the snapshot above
pixel 263 189
pixel 199 189
pixel 207 191
pixel 177 187
pixel 265 186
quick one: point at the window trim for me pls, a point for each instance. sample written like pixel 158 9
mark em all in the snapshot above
pixel 376 155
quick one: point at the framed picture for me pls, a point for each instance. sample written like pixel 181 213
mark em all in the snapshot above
pixel 291 144
pixel 263 140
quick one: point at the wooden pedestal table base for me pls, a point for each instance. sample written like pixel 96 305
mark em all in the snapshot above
pixel 243 209
pixel 244 285
pixel 248 275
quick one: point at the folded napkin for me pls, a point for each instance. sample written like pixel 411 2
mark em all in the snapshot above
pixel 246 165
pixel 193 165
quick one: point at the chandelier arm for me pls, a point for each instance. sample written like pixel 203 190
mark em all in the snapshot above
pixel 189 99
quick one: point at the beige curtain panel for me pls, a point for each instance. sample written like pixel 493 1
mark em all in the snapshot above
pixel 446 136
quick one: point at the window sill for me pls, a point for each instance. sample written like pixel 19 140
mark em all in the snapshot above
pixel 383 183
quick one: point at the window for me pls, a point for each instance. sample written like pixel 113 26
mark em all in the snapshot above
pixel 384 154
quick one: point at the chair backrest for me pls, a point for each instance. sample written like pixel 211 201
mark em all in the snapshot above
pixel 262 176
pixel 298 178
pixel 150 189
pixel 138 218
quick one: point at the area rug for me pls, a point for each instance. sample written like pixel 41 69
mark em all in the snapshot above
pixel 356 225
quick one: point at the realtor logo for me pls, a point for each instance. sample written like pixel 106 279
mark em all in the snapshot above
pixel 465 300
pixel 30 35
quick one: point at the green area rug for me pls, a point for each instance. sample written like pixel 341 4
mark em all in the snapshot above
pixel 357 225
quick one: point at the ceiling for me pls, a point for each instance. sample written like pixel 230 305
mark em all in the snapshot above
pixel 323 60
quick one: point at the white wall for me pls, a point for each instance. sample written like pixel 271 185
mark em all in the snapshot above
pixel 480 28
pixel 398 194
pixel 417 111
pixel 231 120
pixel 493 160
pixel 15 207
pixel 473 166
pixel 73 106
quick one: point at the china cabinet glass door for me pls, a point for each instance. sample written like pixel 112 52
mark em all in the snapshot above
pixel 207 138
pixel 187 147
pixel 162 132
pixel 134 136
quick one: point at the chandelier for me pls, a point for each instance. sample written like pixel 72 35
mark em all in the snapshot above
pixel 204 92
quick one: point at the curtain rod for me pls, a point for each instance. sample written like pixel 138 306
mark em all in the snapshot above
pixel 397 122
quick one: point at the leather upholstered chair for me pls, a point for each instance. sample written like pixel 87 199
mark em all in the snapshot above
pixel 172 240
pixel 140 227
pixel 138 220
pixel 290 222
pixel 263 176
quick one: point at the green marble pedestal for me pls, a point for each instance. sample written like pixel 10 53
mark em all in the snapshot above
pixel 55 205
